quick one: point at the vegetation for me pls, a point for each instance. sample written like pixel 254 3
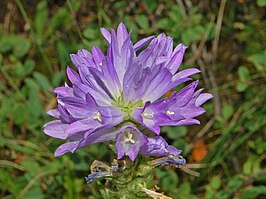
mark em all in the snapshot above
pixel 226 40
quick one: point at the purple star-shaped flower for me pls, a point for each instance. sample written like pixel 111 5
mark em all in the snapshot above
pixel 129 141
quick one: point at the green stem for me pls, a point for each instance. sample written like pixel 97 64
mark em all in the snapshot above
pixel 130 182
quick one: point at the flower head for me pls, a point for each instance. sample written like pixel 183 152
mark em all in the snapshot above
pixel 109 90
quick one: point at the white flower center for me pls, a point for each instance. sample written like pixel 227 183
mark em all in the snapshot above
pixel 170 112
pixel 98 117
pixel 148 115
pixel 129 138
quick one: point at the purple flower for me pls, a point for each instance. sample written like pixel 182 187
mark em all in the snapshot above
pixel 125 85
pixel 180 109
pixel 129 142
pixel 157 146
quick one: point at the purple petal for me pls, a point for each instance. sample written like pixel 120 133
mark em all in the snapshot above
pixel 72 75
pixel 54 113
pixel 55 129
pixel 183 96
pixel 142 42
pixel 157 146
pixel 186 73
pixel 98 56
pixel 84 54
pixel 203 98
pixel 81 125
pixel 65 117
pixel 158 85
pixel 110 77
pixel 65 148
pixel 122 34
pixel 189 111
pixel 64 91
pixel 101 135
pixel 106 34
pixel 187 122
pixel 177 58
pixel 79 112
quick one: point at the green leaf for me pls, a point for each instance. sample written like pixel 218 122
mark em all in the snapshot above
pixel 90 33
pixel 58 78
pixel 227 111
pixel 42 80
pixel 28 66
pixel 193 34
pixel 259 60
pixel 164 24
pixel 34 193
pixel 176 14
pixel 210 192
pixel 31 166
pixel 258 145
pixel 61 18
pixel 20 114
pixel 21 46
pixel 175 132
pixel 233 184
pixel 63 53
pixel 261 3
pixel 18 44
pixel 6 43
pixel 169 181
pixel 216 182
pixel 243 73
pixel 185 187
pixel 142 21
pixel 35 106
pixel 151 5
pixel 262 178
pixel 40 18
pixel 241 86
pixel 253 192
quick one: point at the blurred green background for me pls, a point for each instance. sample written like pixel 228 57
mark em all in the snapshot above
pixel 227 42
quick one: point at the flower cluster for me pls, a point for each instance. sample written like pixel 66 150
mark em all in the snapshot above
pixel 117 95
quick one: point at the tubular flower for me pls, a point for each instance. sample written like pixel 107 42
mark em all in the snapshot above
pixel 113 95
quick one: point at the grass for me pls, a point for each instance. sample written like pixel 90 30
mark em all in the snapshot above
pixel 226 41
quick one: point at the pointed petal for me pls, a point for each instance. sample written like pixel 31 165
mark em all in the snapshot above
pixel 79 126
pixel 106 34
pixel 64 91
pixel 54 113
pixel 184 95
pixel 56 129
pixel 65 148
pixel 142 42
pixel 186 73
pixel 177 58
pixel 84 54
pixel 122 34
pixel 98 56
pixel 203 98
pixel 72 75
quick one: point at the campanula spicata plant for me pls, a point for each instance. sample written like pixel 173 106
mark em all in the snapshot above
pixel 117 97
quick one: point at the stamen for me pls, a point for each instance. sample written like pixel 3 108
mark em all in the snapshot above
pixel 170 112
pixel 98 117
pixel 147 115
pixel 101 64
pixel 129 139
